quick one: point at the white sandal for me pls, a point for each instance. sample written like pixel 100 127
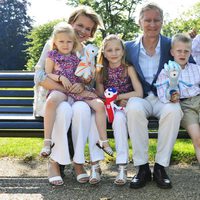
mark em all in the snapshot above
pixel 95 176
pixel 55 180
pixel 82 177
pixel 121 178
pixel 107 150
pixel 46 150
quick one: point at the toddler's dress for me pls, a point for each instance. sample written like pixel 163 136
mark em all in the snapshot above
pixel 67 66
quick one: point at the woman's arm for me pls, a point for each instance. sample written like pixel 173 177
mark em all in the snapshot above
pixel 196 44
pixel 40 74
pixel 99 86
pixel 41 62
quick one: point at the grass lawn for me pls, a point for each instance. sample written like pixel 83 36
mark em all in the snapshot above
pixel 29 148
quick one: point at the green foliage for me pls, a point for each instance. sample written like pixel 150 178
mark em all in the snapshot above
pixel 37 39
pixel 117 16
pixel 118 19
pixel 14 25
pixel 186 22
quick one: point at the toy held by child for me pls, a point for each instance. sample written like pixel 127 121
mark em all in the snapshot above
pixel 172 70
pixel 86 67
pixel 110 97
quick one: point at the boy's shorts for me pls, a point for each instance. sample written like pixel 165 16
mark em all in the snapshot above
pixel 191 110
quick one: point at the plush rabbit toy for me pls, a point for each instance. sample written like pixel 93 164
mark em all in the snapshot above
pixel 86 66
pixel 173 70
pixel 110 97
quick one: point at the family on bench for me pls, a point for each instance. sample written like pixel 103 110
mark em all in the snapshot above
pixel 136 70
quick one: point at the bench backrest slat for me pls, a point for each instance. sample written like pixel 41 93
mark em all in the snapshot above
pixel 16 93
pixel 16 102
pixel 16 84
pixel 16 110
pixel 16 75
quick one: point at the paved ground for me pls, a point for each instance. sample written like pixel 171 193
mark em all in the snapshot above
pixel 26 180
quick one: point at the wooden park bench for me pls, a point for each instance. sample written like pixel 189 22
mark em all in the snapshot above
pixel 16 108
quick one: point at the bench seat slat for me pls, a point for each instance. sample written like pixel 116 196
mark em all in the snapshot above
pixel 20 117
pixel 37 133
pixel 21 125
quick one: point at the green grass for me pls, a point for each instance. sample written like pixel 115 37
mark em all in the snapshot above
pixel 29 148
pixel 20 147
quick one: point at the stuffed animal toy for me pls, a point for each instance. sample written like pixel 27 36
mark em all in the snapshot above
pixel 173 70
pixel 110 96
pixel 86 66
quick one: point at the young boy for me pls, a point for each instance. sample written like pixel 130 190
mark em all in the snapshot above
pixel 189 97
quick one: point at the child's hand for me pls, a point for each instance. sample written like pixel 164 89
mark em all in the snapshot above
pixel 88 80
pixel 122 103
pixel 193 33
pixel 77 88
pixel 175 97
pixel 66 83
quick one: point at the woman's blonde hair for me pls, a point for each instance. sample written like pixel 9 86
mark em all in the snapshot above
pixel 64 27
pixel 88 12
pixel 103 63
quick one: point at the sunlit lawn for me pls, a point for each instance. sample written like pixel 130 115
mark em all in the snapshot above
pixel 29 148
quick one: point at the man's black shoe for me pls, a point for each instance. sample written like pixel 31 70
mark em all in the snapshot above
pixel 160 177
pixel 62 168
pixel 142 177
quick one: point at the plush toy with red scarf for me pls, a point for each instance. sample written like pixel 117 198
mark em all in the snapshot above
pixel 110 97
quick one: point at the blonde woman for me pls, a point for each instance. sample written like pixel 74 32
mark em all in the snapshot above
pixel 85 22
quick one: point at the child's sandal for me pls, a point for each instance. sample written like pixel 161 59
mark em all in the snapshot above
pixel 107 150
pixel 121 178
pixel 95 176
pixel 46 150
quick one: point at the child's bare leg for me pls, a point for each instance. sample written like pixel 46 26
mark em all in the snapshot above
pixel 53 100
pixel 100 117
pixel 194 132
